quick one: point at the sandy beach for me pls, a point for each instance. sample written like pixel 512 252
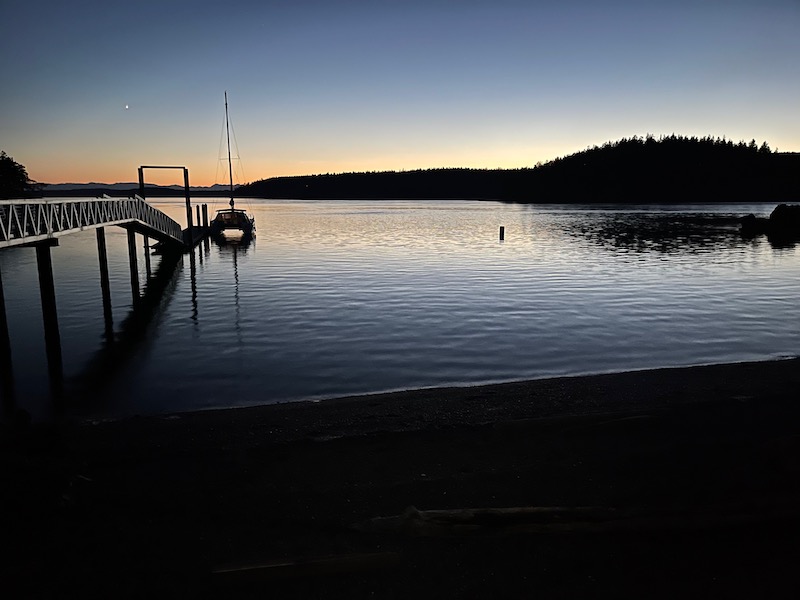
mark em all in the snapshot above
pixel 645 484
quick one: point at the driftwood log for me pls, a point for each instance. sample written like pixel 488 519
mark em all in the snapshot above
pixel 557 519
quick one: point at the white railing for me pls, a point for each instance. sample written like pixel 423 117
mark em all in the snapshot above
pixel 31 221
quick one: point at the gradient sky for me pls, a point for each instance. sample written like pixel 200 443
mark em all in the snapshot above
pixel 324 87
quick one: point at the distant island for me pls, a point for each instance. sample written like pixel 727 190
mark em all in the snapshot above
pixel 83 190
pixel 669 169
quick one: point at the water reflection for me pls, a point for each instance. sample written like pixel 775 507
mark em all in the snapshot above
pixel 118 350
pixel 660 233
pixel 234 242
pixel 6 369
pixel 193 284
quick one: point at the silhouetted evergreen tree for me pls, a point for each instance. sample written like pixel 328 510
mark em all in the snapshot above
pixel 14 180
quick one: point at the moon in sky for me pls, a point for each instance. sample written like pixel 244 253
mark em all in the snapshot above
pixel 126 107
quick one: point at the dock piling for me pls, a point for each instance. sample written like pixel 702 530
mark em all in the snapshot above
pixel 105 285
pixel 52 337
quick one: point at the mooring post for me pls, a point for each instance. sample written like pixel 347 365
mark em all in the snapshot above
pixel 6 368
pixel 205 215
pixel 134 265
pixel 197 210
pixel 189 223
pixel 52 337
pixel 502 233
pixel 105 286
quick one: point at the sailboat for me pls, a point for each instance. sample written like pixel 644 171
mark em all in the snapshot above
pixel 232 218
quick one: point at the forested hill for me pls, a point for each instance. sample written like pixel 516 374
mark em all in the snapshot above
pixel 640 170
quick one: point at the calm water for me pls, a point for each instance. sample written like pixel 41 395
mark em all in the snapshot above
pixel 350 297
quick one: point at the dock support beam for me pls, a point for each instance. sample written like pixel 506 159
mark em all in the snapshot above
pixel 105 285
pixel 133 265
pixel 205 215
pixel 52 337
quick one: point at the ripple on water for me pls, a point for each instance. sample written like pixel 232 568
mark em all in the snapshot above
pixel 337 298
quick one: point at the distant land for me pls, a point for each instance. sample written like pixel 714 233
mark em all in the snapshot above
pixel 641 170
pixel 127 189
pixel 669 169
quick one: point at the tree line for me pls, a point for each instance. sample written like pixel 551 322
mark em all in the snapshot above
pixel 633 170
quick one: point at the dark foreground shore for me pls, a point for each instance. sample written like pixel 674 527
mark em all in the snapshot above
pixel 655 484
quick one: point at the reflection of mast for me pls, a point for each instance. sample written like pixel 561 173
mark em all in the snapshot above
pixel 237 324
pixel 193 282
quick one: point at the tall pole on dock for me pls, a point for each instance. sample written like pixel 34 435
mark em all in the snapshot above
pixel 189 223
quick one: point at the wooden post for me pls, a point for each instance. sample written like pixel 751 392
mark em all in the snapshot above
pixel 141 181
pixel 197 210
pixel 502 233
pixel 189 223
pixel 52 338
pixel 134 265
pixel 105 286
pixel 205 215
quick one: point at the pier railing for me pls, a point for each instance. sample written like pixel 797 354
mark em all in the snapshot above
pixel 31 221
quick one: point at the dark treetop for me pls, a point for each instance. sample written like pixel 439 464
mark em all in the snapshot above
pixel 14 180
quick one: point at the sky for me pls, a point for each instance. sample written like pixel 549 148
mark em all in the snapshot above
pixel 93 89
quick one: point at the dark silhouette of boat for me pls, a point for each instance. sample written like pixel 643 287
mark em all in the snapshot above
pixel 231 218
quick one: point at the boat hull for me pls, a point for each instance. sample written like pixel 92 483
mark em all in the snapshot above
pixel 232 219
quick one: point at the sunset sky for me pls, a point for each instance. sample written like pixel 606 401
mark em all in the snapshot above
pixel 336 86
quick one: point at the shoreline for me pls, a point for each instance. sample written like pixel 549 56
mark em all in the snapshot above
pixel 562 396
pixel 694 474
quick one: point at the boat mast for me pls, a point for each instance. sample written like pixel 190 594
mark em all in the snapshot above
pixel 228 136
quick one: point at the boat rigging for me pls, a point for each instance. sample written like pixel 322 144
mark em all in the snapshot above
pixel 232 218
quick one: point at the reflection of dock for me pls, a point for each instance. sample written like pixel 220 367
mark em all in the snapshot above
pixel 132 332
pixel 6 372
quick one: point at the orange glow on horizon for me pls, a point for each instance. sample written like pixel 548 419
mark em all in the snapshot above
pixel 207 177
pixel 51 169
